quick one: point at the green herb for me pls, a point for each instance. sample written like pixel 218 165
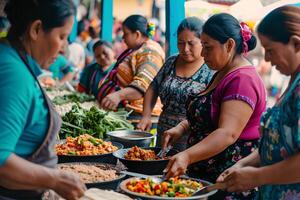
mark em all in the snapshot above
pixel 73 97
pixel 95 122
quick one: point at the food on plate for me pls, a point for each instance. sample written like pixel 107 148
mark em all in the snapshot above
pixel 90 173
pixel 137 153
pixel 174 187
pixel 84 145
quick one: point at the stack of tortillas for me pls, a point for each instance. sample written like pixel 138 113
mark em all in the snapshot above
pixel 98 194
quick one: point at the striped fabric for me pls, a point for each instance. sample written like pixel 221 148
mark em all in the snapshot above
pixel 139 68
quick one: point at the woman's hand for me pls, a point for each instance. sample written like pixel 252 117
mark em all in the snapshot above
pixel 177 165
pixel 144 124
pixel 229 171
pixel 111 101
pixel 239 179
pixel 68 185
pixel 172 135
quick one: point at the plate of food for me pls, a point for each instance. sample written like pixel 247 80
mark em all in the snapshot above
pixel 86 148
pixel 174 188
pixel 95 175
pixel 144 160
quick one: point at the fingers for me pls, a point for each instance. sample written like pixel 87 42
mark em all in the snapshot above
pixel 166 140
pixel 223 176
pixel 108 104
pixel 141 126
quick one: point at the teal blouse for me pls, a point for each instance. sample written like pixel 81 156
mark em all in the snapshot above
pixel 60 67
pixel 281 139
pixel 91 76
pixel 23 110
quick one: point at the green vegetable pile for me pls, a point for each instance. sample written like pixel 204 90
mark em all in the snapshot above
pixel 73 97
pixel 95 122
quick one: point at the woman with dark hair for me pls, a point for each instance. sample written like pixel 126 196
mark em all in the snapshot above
pixel 181 76
pixel 274 168
pixel 29 124
pixel 223 119
pixel 135 67
pixel 92 74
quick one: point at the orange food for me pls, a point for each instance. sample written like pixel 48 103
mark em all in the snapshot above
pixel 137 153
pixel 84 145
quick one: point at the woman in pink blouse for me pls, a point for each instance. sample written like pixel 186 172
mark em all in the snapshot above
pixel 223 120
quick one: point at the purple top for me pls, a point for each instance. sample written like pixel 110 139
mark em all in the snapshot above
pixel 246 85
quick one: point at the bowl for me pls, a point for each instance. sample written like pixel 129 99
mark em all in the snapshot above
pixel 103 158
pixel 108 185
pixel 131 138
pixel 149 167
pixel 148 197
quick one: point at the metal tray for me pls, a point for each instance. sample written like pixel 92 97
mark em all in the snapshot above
pixel 131 138
pixel 148 197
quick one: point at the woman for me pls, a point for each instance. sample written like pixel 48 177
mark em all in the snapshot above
pixel 29 124
pixel 181 76
pixel 275 166
pixel 62 70
pixel 224 118
pixel 135 68
pixel 92 74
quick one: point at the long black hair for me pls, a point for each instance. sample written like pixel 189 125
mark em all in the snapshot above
pixel 52 13
pixel 224 26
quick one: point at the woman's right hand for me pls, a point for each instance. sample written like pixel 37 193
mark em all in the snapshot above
pixel 68 185
pixel 144 124
pixel 172 135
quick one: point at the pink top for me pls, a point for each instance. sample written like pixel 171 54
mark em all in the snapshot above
pixel 242 84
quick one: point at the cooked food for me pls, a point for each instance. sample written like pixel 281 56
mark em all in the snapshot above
pixel 90 173
pixel 174 187
pixel 84 145
pixel 137 153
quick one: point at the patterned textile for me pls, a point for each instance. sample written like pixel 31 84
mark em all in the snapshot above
pixel 280 140
pixel 203 120
pixel 174 92
pixel 90 78
pixel 139 68
pixel 135 68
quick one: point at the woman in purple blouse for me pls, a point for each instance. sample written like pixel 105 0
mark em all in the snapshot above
pixel 223 120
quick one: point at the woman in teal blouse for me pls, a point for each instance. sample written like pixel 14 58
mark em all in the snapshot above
pixel 28 122
pixel 93 74
pixel 274 168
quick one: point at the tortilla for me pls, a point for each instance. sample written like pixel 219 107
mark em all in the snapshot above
pixel 98 194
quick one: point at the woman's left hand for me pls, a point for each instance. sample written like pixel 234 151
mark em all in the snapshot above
pixel 111 101
pixel 242 179
pixel 177 165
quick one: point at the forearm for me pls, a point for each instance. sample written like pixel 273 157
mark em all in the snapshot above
pixel 213 144
pixel 129 94
pixel 252 160
pixel 149 101
pixel 284 172
pixel 18 173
